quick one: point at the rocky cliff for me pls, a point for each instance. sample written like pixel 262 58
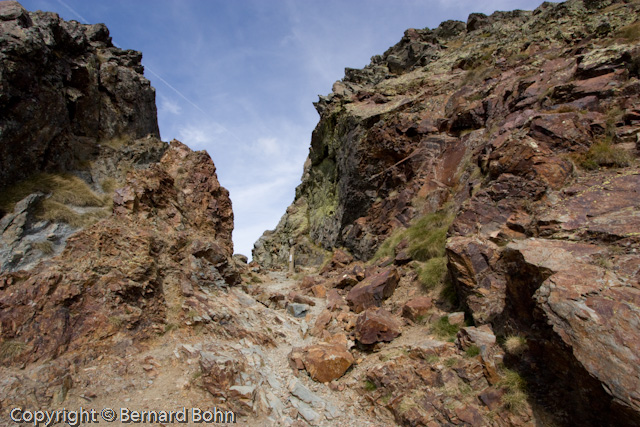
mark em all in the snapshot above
pixel 109 237
pixel 76 114
pixel 515 138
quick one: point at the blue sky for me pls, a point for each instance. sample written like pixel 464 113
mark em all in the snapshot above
pixel 238 77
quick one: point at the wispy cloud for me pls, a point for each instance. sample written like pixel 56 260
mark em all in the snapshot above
pixel 169 105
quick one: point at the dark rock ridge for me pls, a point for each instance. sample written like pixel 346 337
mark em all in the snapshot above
pixel 109 237
pixel 524 127
pixel 93 92
pixel 71 105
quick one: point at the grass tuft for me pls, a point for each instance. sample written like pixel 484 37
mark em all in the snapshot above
pixel 472 351
pixel 44 246
pixel 630 32
pixel 515 398
pixel 63 190
pixel 515 345
pixel 428 236
pixel 445 330
pixel 433 273
pixel 604 153
pixel 370 385
pixel 10 349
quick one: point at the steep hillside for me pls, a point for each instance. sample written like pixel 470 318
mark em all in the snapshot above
pixel 499 156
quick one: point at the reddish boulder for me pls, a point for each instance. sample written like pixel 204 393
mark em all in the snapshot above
pixel 219 371
pixel 340 259
pixel 335 301
pixel 373 290
pixel 319 291
pixel 324 362
pixel 376 325
pixel 321 324
pixel 309 282
pixel 417 307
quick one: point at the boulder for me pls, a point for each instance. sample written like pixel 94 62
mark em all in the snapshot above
pixel 376 325
pixel 324 362
pixel 417 308
pixel 298 310
pixel 319 291
pixel 219 371
pixel 373 290
pixel 335 301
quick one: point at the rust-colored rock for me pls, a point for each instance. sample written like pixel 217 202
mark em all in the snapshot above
pixel 169 228
pixel 417 308
pixel 340 259
pixel 324 362
pixel 322 322
pixel 373 290
pixel 319 291
pixel 473 265
pixel 335 301
pixel 219 372
pixel 376 325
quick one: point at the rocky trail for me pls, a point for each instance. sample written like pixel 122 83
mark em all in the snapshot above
pixel 166 373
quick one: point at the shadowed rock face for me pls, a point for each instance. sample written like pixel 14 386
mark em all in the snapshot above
pixel 499 122
pixel 70 103
pixel 170 233
pixel 92 91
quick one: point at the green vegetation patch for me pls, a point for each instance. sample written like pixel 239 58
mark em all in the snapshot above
pixel 433 273
pixel 426 237
pixel 445 330
pixel 604 154
pixel 515 397
pixel 370 385
pixel 472 351
pixel 63 190
pixel 630 32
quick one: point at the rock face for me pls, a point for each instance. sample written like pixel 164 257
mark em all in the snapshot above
pixel 169 235
pixel 74 111
pixel 94 92
pixel 524 127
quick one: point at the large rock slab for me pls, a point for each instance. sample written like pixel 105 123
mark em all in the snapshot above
pixel 373 290
pixel 376 325
pixel 65 89
pixel 324 362
pixel 473 266
pixel 598 316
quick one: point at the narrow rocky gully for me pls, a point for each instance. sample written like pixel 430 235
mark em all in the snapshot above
pixel 168 376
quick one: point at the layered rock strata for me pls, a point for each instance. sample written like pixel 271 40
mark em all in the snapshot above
pixel 524 127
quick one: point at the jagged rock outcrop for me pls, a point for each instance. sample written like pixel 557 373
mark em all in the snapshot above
pixel 524 127
pixel 170 233
pixel 93 92
pixel 76 114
